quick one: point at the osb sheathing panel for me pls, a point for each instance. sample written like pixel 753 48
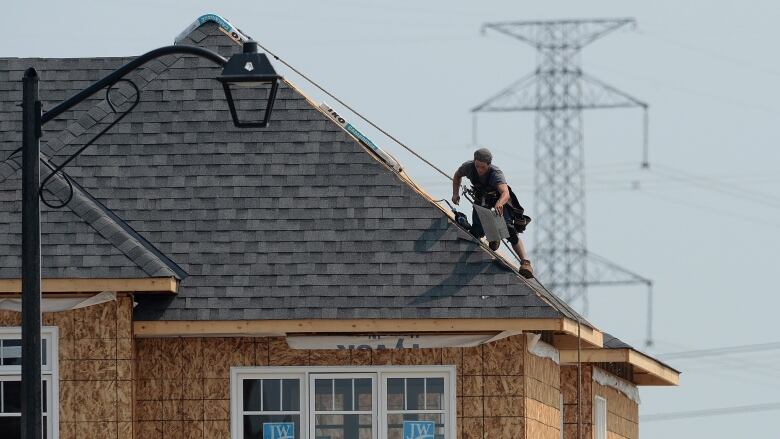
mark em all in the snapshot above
pixel 569 392
pixel 622 412
pixel 96 359
pixel 542 398
pixel 183 383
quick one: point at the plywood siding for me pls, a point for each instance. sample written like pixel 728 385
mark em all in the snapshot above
pixel 542 397
pixel 183 386
pixel 96 367
pixel 622 413
pixel 569 390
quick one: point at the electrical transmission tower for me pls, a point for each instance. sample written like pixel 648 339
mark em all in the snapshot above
pixel 557 92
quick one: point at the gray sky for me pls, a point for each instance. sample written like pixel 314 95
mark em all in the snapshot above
pixel 705 224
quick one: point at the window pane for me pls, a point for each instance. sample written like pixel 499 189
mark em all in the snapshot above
pixel 11 427
pixel 395 424
pixel 343 396
pixel 363 399
pixel 44 391
pixel 271 394
pixel 291 394
pixel 11 352
pixel 434 394
pixel 323 394
pixel 600 418
pixel 252 395
pixel 253 425
pixel 12 396
pixel 395 394
pixel 343 427
pixel 415 396
pixel 44 360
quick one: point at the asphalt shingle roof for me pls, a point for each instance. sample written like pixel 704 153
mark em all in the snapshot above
pixel 294 221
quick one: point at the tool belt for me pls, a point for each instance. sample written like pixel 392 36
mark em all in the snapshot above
pixel 488 199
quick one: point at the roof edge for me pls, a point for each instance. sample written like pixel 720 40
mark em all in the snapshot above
pixel 93 285
pixel 647 370
pixel 113 228
pixel 194 328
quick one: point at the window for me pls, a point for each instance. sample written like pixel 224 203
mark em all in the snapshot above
pixel 343 407
pixel 414 399
pixel 11 382
pixel 342 403
pixel 275 400
pixel 599 418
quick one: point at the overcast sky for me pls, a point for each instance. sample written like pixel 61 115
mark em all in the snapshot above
pixel 704 222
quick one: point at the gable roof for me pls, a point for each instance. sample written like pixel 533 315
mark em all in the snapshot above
pixel 294 221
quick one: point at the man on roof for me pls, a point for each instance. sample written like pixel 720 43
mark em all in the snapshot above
pixel 490 190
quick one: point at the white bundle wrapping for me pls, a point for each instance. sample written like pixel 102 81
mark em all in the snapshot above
pixel 542 349
pixel 607 379
pixel 57 304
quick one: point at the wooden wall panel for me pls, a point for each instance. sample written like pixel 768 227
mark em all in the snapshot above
pixel 542 397
pixel 622 412
pixel 96 368
pixel 195 373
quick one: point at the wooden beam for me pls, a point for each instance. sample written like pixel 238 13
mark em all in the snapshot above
pixel 647 371
pixel 569 356
pixel 76 286
pixel 644 363
pixel 591 337
pixel 257 327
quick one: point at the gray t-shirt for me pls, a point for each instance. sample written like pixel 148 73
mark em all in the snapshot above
pixel 492 178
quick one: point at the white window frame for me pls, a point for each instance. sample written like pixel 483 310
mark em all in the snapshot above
pixel 49 373
pixel 351 375
pixel 237 398
pixel 599 417
pixel 383 385
pixel 304 374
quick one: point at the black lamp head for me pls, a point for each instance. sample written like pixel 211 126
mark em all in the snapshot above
pixel 250 69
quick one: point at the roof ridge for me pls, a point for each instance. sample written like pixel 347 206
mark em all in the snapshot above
pixel 113 228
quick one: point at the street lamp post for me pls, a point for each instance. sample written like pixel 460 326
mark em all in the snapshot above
pixel 257 70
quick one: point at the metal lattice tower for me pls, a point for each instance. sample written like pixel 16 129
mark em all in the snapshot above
pixel 558 91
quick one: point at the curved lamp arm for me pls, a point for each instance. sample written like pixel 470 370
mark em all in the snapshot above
pixel 119 73
pixel 108 82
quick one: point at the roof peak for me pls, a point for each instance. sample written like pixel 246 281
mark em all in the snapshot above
pixel 224 25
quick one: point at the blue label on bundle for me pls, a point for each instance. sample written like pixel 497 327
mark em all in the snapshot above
pixel 419 429
pixel 279 430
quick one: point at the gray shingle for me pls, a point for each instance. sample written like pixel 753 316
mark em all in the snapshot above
pixel 294 221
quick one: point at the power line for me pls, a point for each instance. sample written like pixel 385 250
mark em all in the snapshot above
pixel 737 62
pixel 723 212
pixel 720 351
pixel 711 412
pixel 717 186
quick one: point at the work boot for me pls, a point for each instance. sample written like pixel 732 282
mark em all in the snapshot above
pixel 494 245
pixel 525 269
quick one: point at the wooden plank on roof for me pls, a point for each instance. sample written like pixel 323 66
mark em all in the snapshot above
pixel 74 286
pixel 215 328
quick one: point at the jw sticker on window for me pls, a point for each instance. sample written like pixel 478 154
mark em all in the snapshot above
pixel 278 430
pixel 419 430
